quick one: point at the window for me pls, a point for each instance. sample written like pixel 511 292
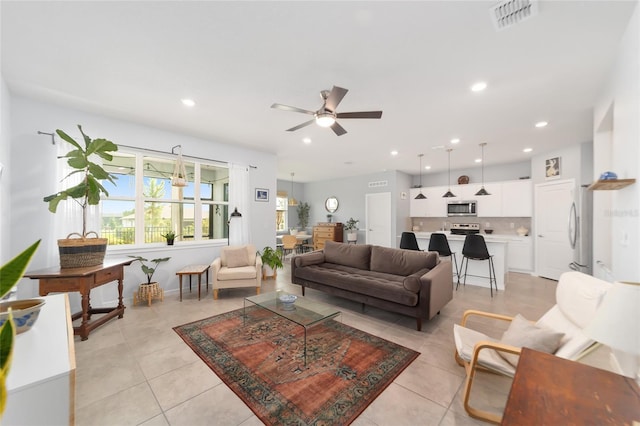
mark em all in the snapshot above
pixel 143 206
pixel 282 203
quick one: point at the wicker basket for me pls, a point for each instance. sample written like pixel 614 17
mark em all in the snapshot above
pixel 82 252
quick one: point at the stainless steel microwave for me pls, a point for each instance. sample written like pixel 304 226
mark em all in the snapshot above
pixel 461 208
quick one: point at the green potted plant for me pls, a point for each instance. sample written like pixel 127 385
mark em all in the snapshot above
pixel 10 274
pixel 351 227
pixel 150 289
pixel 271 262
pixel 83 251
pixel 303 210
pixel 170 237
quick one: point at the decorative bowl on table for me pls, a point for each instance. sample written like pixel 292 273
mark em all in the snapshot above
pixel 288 301
pixel 25 313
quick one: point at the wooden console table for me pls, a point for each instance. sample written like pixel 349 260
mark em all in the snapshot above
pixel 548 390
pixel 82 280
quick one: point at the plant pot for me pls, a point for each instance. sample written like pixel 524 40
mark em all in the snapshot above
pixel 269 272
pixel 148 291
pixel 352 236
pixel 25 312
pixel 170 241
pixel 82 252
pixel 293 231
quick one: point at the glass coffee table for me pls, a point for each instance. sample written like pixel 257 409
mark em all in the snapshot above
pixel 304 312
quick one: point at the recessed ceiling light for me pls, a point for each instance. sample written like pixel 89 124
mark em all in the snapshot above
pixel 527 150
pixel 427 167
pixel 455 140
pixel 478 160
pixel 479 86
pixel 541 124
pixel 188 102
pixel 306 140
pixel 394 152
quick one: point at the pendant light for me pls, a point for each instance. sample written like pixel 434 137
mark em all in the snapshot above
pixel 420 196
pixel 179 177
pixel 482 190
pixel 449 194
pixel 292 201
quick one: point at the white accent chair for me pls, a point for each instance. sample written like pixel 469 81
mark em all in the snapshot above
pixel 577 297
pixel 237 266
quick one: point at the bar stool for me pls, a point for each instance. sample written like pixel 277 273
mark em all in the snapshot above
pixel 408 241
pixel 475 248
pixel 438 242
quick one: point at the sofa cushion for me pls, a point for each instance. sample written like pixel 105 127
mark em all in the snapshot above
pixel 374 284
pixel 238 273
pixel 401 262
pixel 354 255
pixel 236 257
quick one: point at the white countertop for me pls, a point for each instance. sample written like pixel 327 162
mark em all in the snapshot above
pixel 495 238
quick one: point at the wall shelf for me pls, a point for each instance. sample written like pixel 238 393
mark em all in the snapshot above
pixel 611 184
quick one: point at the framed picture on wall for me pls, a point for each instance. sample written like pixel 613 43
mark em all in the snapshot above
pixel 552 168
pixel 262 194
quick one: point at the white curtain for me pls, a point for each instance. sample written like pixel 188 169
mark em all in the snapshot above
pixel 239 199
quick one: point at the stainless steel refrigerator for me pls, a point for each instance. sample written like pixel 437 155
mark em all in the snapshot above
pixel 580 230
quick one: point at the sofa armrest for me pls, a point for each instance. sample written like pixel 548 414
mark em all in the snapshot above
pixel 437 287
pixel 306 259
pixel 215 267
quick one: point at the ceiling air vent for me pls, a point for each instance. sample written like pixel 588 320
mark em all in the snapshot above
pixel 507 13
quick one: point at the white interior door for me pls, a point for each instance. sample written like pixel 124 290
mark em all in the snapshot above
pixel 552 209
pixel 378 218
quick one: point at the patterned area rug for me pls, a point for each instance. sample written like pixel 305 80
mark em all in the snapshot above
pixel 261 360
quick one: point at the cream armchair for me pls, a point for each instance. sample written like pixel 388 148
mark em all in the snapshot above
pixel 559 331
pixel 237 266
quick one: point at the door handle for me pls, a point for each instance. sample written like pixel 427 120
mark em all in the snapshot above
pixel 540 236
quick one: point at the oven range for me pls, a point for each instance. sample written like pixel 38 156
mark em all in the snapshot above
pixel 465 228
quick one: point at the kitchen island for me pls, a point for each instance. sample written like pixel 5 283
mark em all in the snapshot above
pixel 477 270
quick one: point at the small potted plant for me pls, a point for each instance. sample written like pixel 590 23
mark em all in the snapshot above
pixel 351 227
pixel 149 290
pixel 170 237
pixel 271 262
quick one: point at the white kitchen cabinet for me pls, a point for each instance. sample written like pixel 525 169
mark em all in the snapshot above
pixel 433 206
pixel 517 198
pixel 490 205
pixel 520 255
pixel 417 208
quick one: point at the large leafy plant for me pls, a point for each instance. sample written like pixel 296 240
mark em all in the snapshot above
pixel 88 191
pixel 271 258
pixel 303 210
pixel 10 274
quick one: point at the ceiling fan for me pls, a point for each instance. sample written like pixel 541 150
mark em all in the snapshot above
pixel 326 116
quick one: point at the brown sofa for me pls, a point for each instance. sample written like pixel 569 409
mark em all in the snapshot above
pixel 413 283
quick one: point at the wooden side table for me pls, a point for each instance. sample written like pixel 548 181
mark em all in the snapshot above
pixel 82 280
pixel 194 270
pixel 548 390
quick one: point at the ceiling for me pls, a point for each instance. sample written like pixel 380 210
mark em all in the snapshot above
pixel 415 61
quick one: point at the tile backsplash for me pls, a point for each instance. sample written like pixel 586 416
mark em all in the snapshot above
pixel 500 225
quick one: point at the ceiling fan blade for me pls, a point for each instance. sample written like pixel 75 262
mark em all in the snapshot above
pixel 291 108
pixel 361 114
pixel 300 126
pixel 338 129
pixel 334 98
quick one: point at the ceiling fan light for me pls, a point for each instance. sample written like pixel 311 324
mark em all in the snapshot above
pixel 482 192
pixel 448 194
pixel 325 119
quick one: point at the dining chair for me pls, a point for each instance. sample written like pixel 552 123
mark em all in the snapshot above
pixel 289 245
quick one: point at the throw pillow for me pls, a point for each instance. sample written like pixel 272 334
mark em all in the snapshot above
pixel 524 333
pixel 236 257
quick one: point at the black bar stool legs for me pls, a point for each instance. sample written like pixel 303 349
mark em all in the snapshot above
pixel 475 248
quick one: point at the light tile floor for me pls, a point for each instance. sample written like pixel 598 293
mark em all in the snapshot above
pixel 137 371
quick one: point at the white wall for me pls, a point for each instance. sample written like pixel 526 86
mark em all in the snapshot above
pixel 5 131
pixel 33 161
pixel 495 173
pixel 617 148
